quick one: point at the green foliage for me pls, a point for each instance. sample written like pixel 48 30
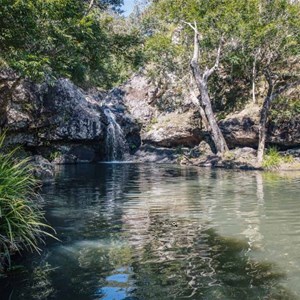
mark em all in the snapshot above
pixel 285 109
pixel 263 31
pixel 54 155
pixel 273 159
pixel 53 38
pixel 22 223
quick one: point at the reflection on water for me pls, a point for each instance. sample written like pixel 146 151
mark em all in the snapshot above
pixel 166 232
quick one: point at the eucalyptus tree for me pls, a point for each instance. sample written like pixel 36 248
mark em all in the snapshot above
pixel 255 37
pixel 274 40
pixel 210 28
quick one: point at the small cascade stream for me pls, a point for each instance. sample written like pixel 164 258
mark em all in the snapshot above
pixel 115 143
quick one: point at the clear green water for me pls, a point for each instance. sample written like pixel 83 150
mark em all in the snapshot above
pixel 133 231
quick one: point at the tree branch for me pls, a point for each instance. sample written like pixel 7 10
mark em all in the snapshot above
pixel 210 71
pixel 196 41
pixel 273 94
pixel 89 8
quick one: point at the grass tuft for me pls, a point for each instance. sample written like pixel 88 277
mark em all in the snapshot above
pixel 273 159
pixel 22 223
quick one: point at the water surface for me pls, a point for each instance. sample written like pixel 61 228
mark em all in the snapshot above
pixel 132 231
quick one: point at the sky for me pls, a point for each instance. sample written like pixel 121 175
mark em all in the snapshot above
pixel 128 6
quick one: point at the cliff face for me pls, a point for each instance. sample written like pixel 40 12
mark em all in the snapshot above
pixel 162 125
pixel 58 120
pixel 182 126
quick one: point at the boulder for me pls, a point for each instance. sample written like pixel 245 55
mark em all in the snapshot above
pixel 174 130
pixel 65 159
pixel 162 124
pixel 241 130
pixel 42 168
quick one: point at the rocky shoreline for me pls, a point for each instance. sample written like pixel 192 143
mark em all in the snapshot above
pixel 59 123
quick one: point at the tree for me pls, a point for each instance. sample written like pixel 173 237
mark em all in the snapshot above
pixel 104 4
pixel 272 93
pixel 260 37
pixel 201 79
pixel 50 39
pixel 277 40
pixel 215 20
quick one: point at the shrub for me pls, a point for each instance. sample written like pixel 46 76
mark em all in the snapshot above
pixel 22 223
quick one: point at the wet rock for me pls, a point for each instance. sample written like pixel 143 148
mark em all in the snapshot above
pixel 65 159
pixel 70 113
pixel 42 168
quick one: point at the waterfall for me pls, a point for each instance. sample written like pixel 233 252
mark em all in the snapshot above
pixel 115 143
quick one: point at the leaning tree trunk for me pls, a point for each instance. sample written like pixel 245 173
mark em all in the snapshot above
pixel 201 79
pixel 271 95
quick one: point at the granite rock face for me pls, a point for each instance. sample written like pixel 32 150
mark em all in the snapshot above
pixel 46 119
pixel 59 120
pixel 161 124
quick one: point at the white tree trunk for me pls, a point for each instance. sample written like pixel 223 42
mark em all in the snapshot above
pixel 201 80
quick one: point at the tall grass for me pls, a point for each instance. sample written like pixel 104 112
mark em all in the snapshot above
pixel 273 159
pixel 22 224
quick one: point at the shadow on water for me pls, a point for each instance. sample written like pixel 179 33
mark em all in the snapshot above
pixel 142 232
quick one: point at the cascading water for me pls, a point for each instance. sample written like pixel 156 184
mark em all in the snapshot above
pixel 115 143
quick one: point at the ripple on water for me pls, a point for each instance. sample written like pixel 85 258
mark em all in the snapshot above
pixel 134 231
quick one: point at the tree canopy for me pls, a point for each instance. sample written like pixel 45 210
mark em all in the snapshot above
pixel 68 38
pixel 260 32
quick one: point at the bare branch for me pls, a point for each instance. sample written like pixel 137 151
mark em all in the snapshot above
pixel 284 88
pixel 196 41
pixel 210 71
pixel 190 25
pixel 90 7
